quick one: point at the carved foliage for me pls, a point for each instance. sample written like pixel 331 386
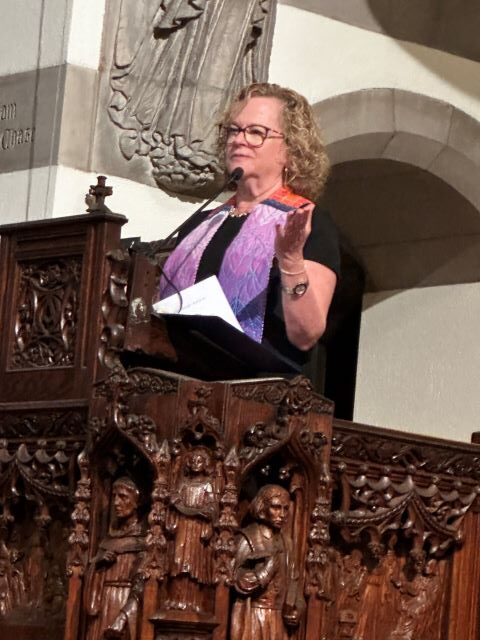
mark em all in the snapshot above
pixel 296 396
pixel 79 537
pixel 45 424
pixel 119 384
pixel 390 451
pixel 227 525
pixel 114 309
pixel 44 467
pixel 155 565
pixel 319 555
pixel 47 313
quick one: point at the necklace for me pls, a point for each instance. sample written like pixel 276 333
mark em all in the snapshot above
pixel 233 212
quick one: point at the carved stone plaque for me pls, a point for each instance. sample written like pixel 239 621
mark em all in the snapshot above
pixel 28 118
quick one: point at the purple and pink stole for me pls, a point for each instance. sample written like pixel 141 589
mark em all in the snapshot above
pixel 247 261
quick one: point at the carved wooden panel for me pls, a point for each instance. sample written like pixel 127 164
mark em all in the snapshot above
pixel 51 279
pixel 46 313
pixel 47 423
pixel 203 473
pixel 399 508
pixel 36 481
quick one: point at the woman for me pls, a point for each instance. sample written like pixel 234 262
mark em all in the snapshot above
pixel 275 255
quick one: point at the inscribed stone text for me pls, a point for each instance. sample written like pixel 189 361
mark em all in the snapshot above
pixel 10 138
pixel 8 111
pixel 14 136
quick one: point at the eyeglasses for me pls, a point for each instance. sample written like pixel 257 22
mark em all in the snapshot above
pixel 254 134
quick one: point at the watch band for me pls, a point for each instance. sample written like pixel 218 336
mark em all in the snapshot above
pixel 297 290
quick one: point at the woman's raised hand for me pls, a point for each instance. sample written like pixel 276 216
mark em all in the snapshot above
pixel 290 239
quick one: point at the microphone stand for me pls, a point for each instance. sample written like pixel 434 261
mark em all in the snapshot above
pixel 233 177
pixel 158 250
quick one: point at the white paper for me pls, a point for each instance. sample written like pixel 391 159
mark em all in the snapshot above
pixel 205 298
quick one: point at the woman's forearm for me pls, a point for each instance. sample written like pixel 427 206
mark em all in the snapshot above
pixel 306 315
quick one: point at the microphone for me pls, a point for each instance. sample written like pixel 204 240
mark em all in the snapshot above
pixel 235 176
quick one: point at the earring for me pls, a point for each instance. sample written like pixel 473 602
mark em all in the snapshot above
pixel 285 175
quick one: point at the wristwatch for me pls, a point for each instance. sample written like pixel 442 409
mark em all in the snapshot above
pixel 297 290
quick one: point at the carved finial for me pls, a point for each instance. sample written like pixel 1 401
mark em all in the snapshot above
pixel 95 198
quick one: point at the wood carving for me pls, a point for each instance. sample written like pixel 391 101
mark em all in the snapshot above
pixel 297 395
pixel 227 525
pixel 114 309
pixel 113 585
pixel 45 424
pixel 46 313
pixel 378 500
pixel 147 504
pixel 269 597
pixel 193 509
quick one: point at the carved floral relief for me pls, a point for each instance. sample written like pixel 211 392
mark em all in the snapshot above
pixel 46 314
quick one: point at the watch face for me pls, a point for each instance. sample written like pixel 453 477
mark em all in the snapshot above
pixel 300 288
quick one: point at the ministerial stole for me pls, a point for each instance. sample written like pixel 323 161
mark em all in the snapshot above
pixel 247 262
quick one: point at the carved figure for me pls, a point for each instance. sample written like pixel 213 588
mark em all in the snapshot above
pixel 269 601
pixel 6 600
pixel 113 588
pixel 351 578
pixel 55 592
pixel 19 593
pixel 35 567
pixel 168 79
pixel 417 599
pixel 193 510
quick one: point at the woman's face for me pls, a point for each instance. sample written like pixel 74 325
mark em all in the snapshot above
pixel 268 161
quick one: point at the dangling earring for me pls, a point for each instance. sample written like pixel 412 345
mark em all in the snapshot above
pixel 285 175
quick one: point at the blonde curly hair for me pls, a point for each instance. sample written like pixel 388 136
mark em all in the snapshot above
pixel 308 165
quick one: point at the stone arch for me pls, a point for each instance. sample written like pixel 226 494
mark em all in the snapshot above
pixel 408 127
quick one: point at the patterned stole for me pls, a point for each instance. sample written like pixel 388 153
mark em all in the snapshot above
pixel 246 264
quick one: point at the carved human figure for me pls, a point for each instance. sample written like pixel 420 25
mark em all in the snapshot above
pixel 113 588
pixel 6 595
pixel 168 79
pixel 369 617
pixel 19 592
pixel 35 567
pixel 417 599
pixel 55 591
pixel 269 600
pixel 193 510
pixel 351 578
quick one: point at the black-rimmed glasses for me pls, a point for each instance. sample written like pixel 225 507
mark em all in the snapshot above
pixel 254 134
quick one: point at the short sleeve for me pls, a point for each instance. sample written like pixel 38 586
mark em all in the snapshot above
pixel 322 244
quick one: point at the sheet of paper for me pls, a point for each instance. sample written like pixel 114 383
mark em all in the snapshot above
pixel 205 298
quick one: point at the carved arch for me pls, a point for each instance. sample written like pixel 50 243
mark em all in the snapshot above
pixel 408 127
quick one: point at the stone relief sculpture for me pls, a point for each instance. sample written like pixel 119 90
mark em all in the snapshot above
pixel 193 511
pixel 175 64
pixel 113 588
pixel 269 600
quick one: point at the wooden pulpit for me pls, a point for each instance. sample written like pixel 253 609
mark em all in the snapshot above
pixel 156 484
